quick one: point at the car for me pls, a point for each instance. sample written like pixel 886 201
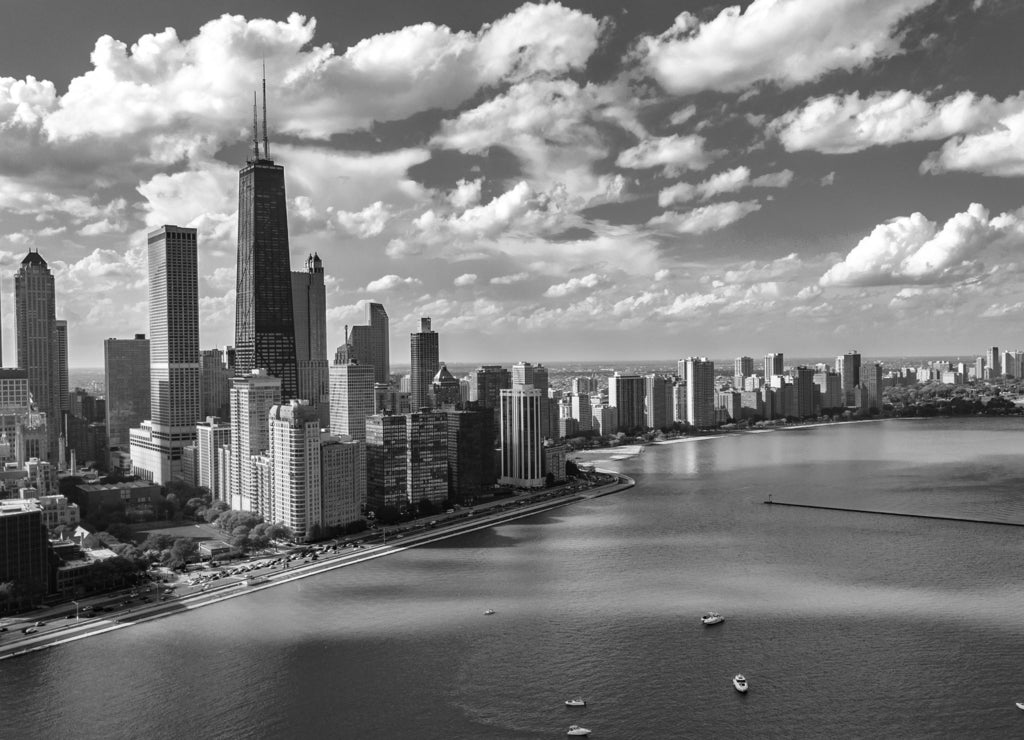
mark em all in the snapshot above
pixel 29 631
pixel 3 629
pixel 40 623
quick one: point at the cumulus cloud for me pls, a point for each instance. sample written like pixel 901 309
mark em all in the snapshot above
pixel 465 279
pixel 912 249
pixel 729 181
pixel 788 42
pixel 466 193
pixel 843 124
pixel 998 151
pixel 575 285
pixel 389 282
pixel 706 218
pixel 365 223
pixel 674 154
pixel 510 279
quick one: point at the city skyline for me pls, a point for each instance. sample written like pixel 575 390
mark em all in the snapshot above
pixel 557 182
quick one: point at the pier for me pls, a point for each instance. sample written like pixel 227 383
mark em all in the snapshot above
pixel 770 502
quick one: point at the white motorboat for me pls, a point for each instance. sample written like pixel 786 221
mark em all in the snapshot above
pixel 740 683
pixel 1020 705
pixel 577 731
pixel 577 702
pixel 712 618
pixel 489 612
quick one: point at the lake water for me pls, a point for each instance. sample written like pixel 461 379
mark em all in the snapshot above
pixel 846 625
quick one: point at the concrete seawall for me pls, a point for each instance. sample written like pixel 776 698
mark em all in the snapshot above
pixel 894 513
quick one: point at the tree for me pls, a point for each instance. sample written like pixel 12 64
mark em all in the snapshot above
pixel 182 551
pixel 121 531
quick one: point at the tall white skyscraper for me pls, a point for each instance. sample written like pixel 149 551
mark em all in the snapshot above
pixel 174 355
pixel 252 397
pixel 295 468
pixel 212 438
pixel 522 459
pixel 352 399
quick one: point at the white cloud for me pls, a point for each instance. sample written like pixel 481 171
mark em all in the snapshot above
pixel 729 181
pixel 828 179
pixel 787 42
pixel 780 179
pixel 389 282
pixel 365 223
pixel 661 275
pixel 912 249
pixel 466 193
pixel 998 151
pixel 843 124
pixel 673 153
pixel 465 279
pixel 706 218
pixel 575 285
pixel 681 116
pixel 510 279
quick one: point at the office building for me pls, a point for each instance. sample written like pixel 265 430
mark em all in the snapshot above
pixel 252 397
pixel 581 409
pixel 63 387
pixel 485 386
pixel 471 473
pixel 830 391
pixel 37 342
pixel 24 554
pixel 872 381
pixel 773 365
pixel 742 368
pixel 700 392
pixel 264 311
pixel 352 399
pixel 425 362
pixel 626 393
pixel 214 385
pixel 15 413
pixel 993 361
pixel 522 441
pixel 848 368
pixel 369 344
pixel 445 389
pixel 657 401
pixel 126 369
pixel 805 392
pixel 309 306
pixel 173 355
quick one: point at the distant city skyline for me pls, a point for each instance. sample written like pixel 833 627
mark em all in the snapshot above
pixel 556 182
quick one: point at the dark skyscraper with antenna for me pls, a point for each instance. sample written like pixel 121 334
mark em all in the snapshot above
pixel 264 319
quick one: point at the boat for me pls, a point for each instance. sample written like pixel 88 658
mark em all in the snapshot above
pixel 577 702
pixel 740 683
pixel 712 618
pixel 489 612
pixel 577 731
pixel 1020 705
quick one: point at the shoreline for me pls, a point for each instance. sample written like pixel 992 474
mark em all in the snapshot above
pixel 76 630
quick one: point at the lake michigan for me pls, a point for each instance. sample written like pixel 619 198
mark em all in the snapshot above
pixel 845 624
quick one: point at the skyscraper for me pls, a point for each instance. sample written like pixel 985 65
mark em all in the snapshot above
pixel 214 384
pixel 387 449
pixel 993 361
pixel 309 303
pixel 626 393
pixel 742 367
pixel 352 399
pixel 252 396
pixel 295 460
pixel 425 361
pixel 126 366
pixel 212 439
pixel 427 460
pixel 37 344
pixel 700 392
pixel 470 454
pixel 848 368
pixel 342 479
pixel 657 401
pixel 173 357
pixel 264 313
pixel 522 459
pixel 773 365
pixel 445 388
pixel 63 389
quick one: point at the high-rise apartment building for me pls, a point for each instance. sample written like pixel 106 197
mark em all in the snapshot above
pixel 173 355
pixel 657 401
pixel 773 365
pixel 295 498
pixel 700 392
pixel 427 459
pixel 871 380
pixel 742 368
pixel 848 368
pixel 369 344
pixel 387 450
pixel 425 361
pixel 352 399
pixel 994 362
pixel 252 397
pixel 470 455
pixel 522 441
pixel 485 386
pixel 37 342
pixel 264 312
pixel 806 392
pixel 24 552
pixel 581 410
pixel 16 418
pixel 342 480
pixel 626 393
pixel 309 305
pixel 212 440
pixel 126 370
pixel 830 390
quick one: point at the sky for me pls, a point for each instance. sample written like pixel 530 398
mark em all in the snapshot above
pixel 546 181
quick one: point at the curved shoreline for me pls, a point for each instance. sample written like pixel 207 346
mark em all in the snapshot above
pixel 97 626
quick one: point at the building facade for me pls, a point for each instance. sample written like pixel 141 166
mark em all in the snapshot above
pixel 352 399
pixel 126 366
pixel 309 305
pixel 425 362
pixel 522 461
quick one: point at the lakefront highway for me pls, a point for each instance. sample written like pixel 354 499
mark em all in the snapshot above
pixel 96 615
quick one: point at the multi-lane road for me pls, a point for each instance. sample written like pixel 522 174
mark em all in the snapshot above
pixel 68 623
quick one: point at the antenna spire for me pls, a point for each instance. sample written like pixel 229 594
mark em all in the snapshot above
pixel 255 130
pixel 266 142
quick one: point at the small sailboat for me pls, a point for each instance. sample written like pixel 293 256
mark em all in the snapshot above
pixel 712 618
pixel 577 731
pixel 577 702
